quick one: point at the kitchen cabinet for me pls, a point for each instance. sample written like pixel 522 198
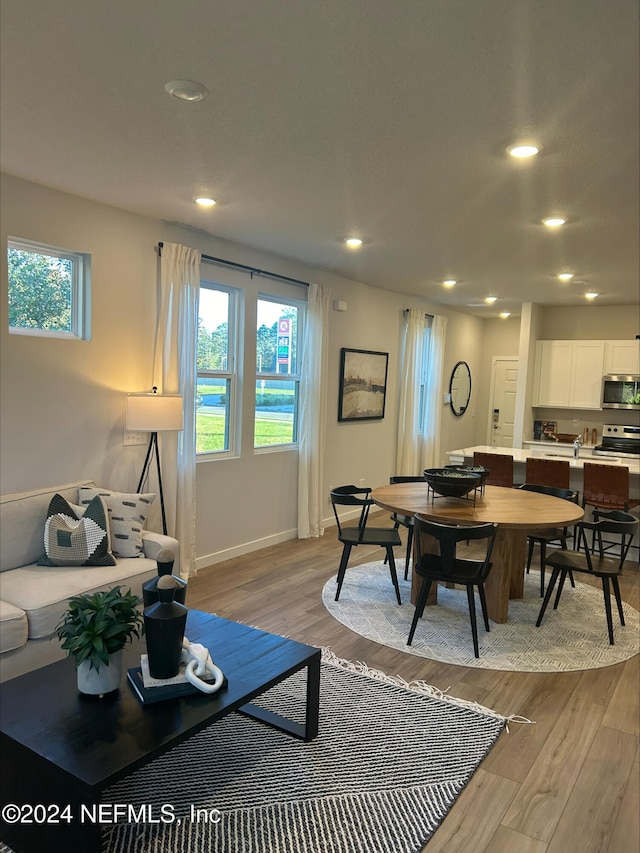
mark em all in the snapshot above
pixel 568 374
pixel 622 357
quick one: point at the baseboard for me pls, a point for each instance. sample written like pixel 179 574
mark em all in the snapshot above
pixel 265 542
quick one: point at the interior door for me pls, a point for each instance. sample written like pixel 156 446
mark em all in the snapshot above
pixel 504 381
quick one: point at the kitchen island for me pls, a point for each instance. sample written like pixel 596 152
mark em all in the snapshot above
pixel 551 450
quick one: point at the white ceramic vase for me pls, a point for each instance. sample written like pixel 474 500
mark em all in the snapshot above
pixel 104 680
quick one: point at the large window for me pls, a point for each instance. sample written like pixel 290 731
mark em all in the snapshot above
pixel 216 370
pixel 277 377
pixel 48 290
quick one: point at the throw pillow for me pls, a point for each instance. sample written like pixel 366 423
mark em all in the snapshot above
pixel 73 541
pixel 127 516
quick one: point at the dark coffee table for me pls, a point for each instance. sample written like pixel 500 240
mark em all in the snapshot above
pixel 59 749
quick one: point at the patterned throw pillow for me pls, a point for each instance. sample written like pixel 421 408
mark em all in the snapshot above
pixel 127 516
pixel 73 541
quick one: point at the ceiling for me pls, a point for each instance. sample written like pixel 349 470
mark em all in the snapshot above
pixel 383 119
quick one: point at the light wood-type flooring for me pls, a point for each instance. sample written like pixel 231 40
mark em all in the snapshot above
pixel 568 784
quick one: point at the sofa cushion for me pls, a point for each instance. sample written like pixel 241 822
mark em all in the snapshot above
pixel 14 628
pixel 73 541
pixel 42 591
pixel 127 517
pixel 22 517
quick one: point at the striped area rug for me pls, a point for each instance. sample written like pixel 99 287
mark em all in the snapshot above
pixel 573 637
pixel 388 764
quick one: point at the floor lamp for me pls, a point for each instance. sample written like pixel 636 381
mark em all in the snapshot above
pixel 154 413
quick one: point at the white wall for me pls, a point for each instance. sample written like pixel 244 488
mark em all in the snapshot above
pixel 63 401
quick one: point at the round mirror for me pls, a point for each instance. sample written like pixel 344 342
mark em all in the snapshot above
pixel 460 388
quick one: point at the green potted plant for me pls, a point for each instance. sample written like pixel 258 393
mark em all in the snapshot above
pixel 94 630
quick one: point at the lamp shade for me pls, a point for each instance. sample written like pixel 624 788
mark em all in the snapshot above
pixel 154 412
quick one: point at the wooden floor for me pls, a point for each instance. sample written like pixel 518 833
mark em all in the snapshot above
pixel 568 784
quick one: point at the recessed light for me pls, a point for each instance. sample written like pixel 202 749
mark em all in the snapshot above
pixel 553 222
pixel 590 295
pixel 521 152
pixel 505 314
pixel 449 282
pixel 186 90
pixel 490 300
pixel 565 276
pixel 205 202
pixel 353 242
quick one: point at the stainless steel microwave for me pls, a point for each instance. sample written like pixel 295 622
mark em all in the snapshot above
pixel 621 392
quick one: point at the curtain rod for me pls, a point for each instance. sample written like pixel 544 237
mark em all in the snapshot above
pixel 430 316
pixel 252 270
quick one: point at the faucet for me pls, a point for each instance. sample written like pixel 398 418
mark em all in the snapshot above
pixel 577 444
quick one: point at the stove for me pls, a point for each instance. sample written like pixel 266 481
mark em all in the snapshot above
pixel 619 441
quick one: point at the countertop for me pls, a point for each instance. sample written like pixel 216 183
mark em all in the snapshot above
pixel 549 450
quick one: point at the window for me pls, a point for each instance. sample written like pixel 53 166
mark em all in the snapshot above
pixel 48 291
pixel 216 390
pixel 277 377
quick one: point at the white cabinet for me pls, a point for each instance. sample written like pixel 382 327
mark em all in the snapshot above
pixel 622 357
pixel 568 374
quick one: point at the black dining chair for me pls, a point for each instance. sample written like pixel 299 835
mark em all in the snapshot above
pixel 592 560
pixel 400 520
pixel 548 535
pixel 386 537
pixel 448 567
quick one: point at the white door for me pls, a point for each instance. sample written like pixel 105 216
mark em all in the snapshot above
pixel 504 381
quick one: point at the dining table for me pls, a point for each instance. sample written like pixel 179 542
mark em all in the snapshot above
pixel 515 511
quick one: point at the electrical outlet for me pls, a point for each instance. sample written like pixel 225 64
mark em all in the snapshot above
pixel 134 438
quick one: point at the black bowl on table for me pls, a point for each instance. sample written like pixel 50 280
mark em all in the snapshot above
pixel 473 469
pixel 452 482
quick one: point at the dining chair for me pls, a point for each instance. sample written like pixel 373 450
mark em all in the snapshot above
pixel 362 534
pixel 593 561
pixel 547 472
pixel 500 468
pixel 404 520
pixel 448 567
pixel 547 535
pixel 606 487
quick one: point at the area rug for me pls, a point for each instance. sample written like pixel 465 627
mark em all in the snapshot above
pixel 388 764
pixel 573 637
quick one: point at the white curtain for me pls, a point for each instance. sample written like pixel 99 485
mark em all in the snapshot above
pixel 313 409
pixel 420 395
pixel 174 372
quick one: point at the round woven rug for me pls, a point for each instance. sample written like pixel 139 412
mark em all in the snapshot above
pixel 570 638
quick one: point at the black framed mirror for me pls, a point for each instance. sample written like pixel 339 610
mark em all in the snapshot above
pixel 460 388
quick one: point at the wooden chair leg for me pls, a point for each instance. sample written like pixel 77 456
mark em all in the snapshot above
pixel 543 557
pixel 483 603
pixel 409 547
pixel 472 616
pixel 392 570
pixel 531 544
pixel 563 577
pixel 420 603
pixel 616 590
pixel 547 597
pixel 343 568
pixel 607 607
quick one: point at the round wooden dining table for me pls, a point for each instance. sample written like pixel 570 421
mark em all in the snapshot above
pixel 515 511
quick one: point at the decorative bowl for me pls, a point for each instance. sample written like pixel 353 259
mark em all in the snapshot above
pixel 473 469
pixel 451 482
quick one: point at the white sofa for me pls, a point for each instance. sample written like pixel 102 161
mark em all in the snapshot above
pixel 33 598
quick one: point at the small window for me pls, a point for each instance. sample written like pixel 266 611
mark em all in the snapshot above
pixel 277 377
pixel 48 291
pixel 216 396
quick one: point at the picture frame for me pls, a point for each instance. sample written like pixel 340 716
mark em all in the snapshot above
pixel 363 385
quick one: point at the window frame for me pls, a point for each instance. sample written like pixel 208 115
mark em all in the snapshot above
pixel 80 290
pixel 296 378
pixel 233 419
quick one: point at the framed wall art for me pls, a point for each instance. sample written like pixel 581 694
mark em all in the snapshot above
pixel 363 385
